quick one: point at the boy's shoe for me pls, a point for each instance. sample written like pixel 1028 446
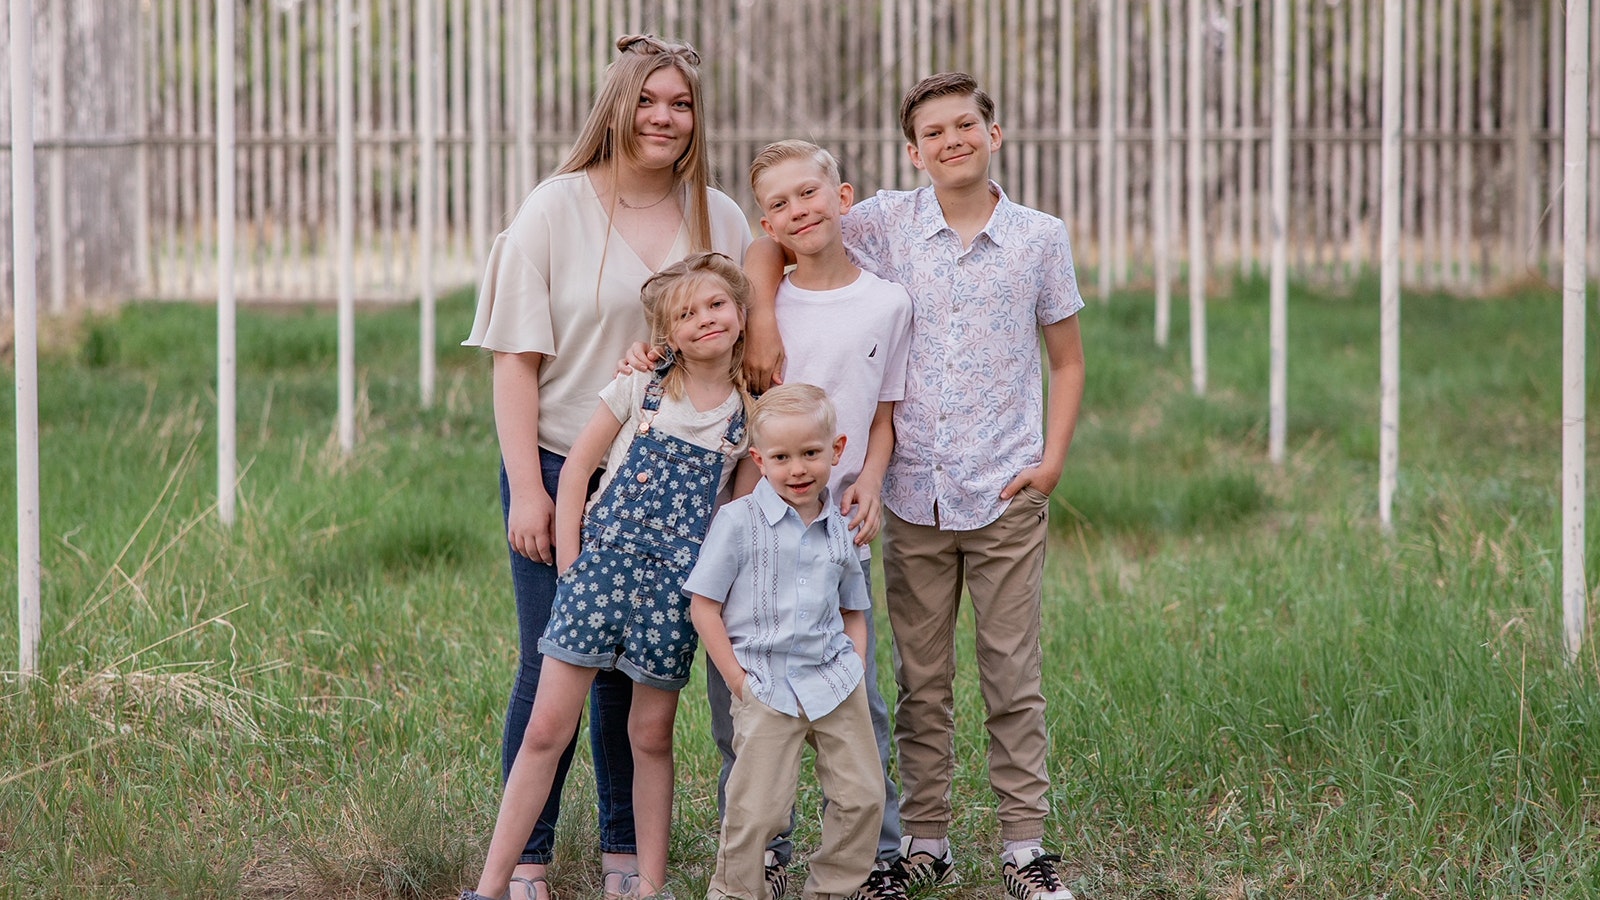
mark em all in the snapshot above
pixel 923 869
pixel 777 876
pixel 1030 874
pixel 886 881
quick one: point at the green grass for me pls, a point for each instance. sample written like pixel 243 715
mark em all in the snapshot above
pixel 1254 691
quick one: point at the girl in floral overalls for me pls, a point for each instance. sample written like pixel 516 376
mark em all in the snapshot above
pixel 669 440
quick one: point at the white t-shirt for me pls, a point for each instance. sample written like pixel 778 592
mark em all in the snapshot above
pixel 541 294
pixel 677 417
pixel 852 342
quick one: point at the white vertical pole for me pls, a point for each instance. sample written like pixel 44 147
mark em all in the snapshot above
pixel 1575 199
pixel 478 106
pixel 58 156
pixel 1197 243
pixel 1278 280
pixel 1107 149
pixel 1389 271
pixel 141 184
pixel 1159 195
pixel 425 190
pixel 25 319
pixel 227 368
pixel 347 224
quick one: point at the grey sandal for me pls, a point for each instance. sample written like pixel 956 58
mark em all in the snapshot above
pixel 626 878
pixel 530 887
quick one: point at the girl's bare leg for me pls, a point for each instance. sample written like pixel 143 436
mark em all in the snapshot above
pixel 563 688
pixel 650 730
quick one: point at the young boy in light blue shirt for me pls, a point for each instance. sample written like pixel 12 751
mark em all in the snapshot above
pixel 779 601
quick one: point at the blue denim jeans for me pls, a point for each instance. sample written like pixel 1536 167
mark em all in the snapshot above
pixel 609 702
pixel 719 697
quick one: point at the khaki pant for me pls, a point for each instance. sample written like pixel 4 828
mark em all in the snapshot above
pixel 1002 564
pixel 766 770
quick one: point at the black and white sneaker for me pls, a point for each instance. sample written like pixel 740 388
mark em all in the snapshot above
pixel 777 876
pixel 1030 874
pixel 886 881
pixel 923 869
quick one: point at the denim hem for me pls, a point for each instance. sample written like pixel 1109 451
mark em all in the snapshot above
pixel 535 859
pixel 626 667
pixel 574 658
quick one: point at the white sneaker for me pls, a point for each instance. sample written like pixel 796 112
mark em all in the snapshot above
pixel 1030 874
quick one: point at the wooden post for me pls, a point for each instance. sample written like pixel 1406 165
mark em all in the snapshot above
pixel 25 320
pixel 57 197
pixel 227 373
pixel 1107 148
pixel 1196 184
pixel 1159 195
pixel 426 152
pixel 1278 280
pixel 1574 284
pixel 478 100
pixel 345 26
pixel 1389 274
pixel 1523 111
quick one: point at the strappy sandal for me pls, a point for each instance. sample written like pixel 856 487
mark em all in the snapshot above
pixel 530 888
pixel 625 879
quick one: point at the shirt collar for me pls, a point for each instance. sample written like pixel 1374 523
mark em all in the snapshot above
pixel 773 508
pixel 930 217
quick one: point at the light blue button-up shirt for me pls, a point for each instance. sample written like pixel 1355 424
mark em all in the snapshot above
pixel 782 585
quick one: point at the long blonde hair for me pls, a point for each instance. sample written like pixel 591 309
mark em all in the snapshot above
pixel 607 135
pixel 667 291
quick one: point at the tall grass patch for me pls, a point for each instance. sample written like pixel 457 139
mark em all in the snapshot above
pixel 1254 691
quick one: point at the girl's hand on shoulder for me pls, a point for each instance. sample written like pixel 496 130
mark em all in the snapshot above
pixel 530 526
pixel 641 357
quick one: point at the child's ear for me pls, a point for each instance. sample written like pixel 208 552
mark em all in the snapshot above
pixel 847 196
pixel 755 454
pixel 838 448
pixel 994 137
pixel 767 227
pixel 916 157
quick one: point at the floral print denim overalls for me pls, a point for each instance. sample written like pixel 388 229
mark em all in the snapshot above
pixel 621 604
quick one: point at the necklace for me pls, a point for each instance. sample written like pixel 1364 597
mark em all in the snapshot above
pixel 623 201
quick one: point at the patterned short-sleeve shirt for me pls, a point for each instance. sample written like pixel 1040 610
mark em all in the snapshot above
pixel 973 413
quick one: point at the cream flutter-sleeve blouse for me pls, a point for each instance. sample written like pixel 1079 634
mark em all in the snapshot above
pixel 545 291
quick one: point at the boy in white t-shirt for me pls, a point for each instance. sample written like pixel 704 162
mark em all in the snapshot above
pixel 848 332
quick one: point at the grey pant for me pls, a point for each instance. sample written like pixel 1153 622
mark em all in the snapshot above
pixel 722 732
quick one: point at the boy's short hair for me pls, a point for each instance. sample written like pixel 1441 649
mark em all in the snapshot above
pixel 783 151
pixel 943 85
pixel 797 399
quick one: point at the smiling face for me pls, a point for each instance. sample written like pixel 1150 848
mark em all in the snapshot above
pixel 953 143
pixel 663 121
pixel 706 322
pixel 801 205
pixel 796 455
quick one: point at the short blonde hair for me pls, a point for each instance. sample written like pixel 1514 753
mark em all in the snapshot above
pixel 666 292
pixel 798 399
pixel 783 151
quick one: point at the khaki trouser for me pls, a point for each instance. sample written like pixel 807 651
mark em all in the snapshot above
pixel 766 770
pixel 1002 564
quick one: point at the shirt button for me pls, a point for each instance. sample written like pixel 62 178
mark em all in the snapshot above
pixel 643 477
pixel 802 581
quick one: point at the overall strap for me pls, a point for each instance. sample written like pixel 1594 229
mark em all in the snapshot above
pixel 735 431
pixel 652 403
